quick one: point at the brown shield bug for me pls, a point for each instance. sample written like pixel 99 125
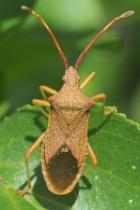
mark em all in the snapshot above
pixel 64 144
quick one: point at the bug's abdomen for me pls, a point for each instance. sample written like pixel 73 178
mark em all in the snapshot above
pixel 61 170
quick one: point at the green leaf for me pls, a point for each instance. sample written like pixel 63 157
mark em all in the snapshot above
pixel 113 184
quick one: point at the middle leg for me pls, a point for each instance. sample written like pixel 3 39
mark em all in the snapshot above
pixel 44 102
pixel 103 96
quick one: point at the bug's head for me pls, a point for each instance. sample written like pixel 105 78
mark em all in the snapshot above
pixel 71 77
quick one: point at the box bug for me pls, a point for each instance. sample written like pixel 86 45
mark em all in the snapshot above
pixel 64 144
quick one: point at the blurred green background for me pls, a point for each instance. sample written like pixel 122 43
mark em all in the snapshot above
pixel 29 59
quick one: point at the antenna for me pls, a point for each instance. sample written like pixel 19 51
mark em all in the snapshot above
pixel 82 55
pixel 64 60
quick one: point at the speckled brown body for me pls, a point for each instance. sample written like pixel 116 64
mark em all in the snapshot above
pixel 64 144
pixel 64 147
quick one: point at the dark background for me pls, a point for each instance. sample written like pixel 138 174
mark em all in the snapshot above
pixel 28 57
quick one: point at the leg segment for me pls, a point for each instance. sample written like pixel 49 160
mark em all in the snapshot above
pixel 94 161
pixel 28 154
pixel 44 102
pixel 44 89
pixel 87 80
pixel 93 158
pixel 103 96
pixel 40 103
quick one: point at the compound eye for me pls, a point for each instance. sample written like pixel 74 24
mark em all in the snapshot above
pixel 64 78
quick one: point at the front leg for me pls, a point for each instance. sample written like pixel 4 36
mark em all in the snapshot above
pixel 87 80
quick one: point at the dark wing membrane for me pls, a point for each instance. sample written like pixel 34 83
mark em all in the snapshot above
pixel 62 169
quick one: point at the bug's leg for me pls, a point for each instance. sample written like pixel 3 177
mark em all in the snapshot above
pixel 93 158
pixel 44 102
pixel 87 80
pixel 28 154
pixel 46 89
pixel 74 193
pixel 103 96
pixel 40 103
